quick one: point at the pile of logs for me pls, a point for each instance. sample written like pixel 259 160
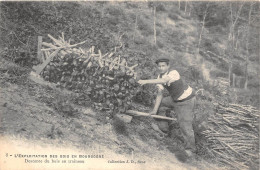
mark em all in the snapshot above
pixel 233 135
pixel 106 80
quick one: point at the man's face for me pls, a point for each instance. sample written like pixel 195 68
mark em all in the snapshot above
pixel 163 67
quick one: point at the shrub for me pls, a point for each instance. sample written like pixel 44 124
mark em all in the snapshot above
pixel 12 69
pixel 237 69
pixel 218 73
pixel 173 16
pixel 139 40
pixel 248 97
pixel 254 58
pixel 12 72
pixel 145 27
pixel 175 9
pixel 114 11
pixel 223 65
pixel 160 8
pixel 160 44
pixel 31 19
pixel 158 24
pixel 120 127
pixel 253 83
pixel 131 5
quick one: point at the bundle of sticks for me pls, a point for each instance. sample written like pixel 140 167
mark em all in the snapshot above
pixel 105 79
pixel 233 135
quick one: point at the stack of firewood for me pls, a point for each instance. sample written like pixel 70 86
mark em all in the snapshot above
pixel 106 80
pixel 233 135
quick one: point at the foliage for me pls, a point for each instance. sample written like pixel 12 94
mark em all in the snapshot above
pixel 173 16
pixel 32 19
pixel 248 97
pixel 237 69
pixel 218 73
pixel 145 27
pixel 13 73
pixel 106 25
pixel 218 15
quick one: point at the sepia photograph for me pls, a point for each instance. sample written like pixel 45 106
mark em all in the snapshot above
pixel 132 85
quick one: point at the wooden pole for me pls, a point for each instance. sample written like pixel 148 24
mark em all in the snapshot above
pixel 39 52
pixel 46 62
pixel 137 113
pixel 234 79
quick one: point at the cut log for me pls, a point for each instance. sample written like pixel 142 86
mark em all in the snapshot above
pixel 68 46
pixel 39 52
pixel 125 118
pixel 39 68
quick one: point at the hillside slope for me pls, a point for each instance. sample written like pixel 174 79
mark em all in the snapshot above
pixel 131 28
pixel 38 115
pixel 35 112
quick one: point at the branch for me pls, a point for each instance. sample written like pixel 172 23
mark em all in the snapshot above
pixel 66 46
pixel 3 28
pixel 121 44
pixel 12 32
pixel 203 24
pixel 119 64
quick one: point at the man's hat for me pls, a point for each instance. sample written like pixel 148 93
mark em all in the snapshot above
pixel 162 59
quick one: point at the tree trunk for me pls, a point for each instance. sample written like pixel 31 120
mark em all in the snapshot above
pixel 230 72
pixel 237 40
pixel 39 52
pixel 233 23
pixel 247 44
pixel 185 9
pixel 231 37
pixel 179 4
pixel 202 28
pixel 246 73
pixel 190 8
pixel 154 24
pixel 234 80
pixel 135 25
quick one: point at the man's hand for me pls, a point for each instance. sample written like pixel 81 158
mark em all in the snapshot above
pixel 142 82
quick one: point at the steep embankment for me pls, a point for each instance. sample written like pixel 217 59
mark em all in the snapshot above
pixel 35 115
pixel 38 118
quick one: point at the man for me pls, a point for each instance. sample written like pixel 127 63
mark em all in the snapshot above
pixel 181 100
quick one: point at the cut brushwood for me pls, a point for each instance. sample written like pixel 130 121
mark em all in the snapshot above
pixel 233 134
pixel 104 79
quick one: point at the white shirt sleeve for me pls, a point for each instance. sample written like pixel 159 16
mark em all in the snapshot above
pixel 174 76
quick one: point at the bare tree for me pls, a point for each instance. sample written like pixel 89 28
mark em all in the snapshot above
pixel 135 24
pixel 234 20
pixel 154 23
pixel 186 4
pixel 203 25
pixel 231 36
pixel 247 44
pixel 190 4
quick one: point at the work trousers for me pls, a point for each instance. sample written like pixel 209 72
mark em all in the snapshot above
pixel 185 115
